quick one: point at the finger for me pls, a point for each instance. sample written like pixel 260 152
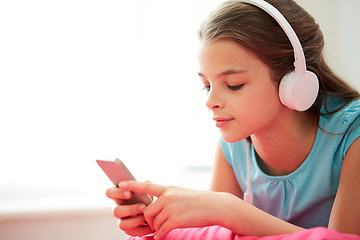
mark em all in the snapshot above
pixel 130 223
pixel 152 210
pixel 138 231
pixel 117 193
pixel 143 187
pixel 121 202
pixel 123 211
pixel 159 220
pixel 163 230
pixel 152 197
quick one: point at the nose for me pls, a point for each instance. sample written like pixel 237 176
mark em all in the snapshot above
pixel 214 100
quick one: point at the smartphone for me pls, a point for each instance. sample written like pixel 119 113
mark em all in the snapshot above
pixel 118 172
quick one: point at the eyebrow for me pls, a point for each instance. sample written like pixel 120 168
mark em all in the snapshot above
pixel 227 72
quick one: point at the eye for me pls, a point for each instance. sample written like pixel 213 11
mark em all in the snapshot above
pixel 235 87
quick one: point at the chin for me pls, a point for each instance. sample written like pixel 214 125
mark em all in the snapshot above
pixel 232 138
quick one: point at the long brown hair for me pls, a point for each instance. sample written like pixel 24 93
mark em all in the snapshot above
pixel 257 31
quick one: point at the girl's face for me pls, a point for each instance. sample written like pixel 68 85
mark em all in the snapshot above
pixel 240 92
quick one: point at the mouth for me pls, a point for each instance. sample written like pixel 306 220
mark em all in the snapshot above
pixel 222 122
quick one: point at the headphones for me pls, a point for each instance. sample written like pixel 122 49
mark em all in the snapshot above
pixel 298 89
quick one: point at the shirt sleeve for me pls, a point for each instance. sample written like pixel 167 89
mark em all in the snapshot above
pixel 352 122
pixel 226 151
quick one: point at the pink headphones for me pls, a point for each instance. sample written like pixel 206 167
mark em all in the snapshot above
pixel 298 89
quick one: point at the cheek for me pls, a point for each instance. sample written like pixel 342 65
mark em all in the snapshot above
pixel 254 111
pixel 265 103
pixel 265 109
pixel 259 109
pixel 267 100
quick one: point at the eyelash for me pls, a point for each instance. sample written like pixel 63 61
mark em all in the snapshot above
pixel 207 88
pixel 233 88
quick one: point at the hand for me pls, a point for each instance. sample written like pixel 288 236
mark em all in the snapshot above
pixel 130 217
pixel 177 207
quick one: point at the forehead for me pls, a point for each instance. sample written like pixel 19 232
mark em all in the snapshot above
pixel 223 47
pixel 222 55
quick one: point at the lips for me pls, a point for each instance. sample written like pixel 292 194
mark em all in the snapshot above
pixel 222 122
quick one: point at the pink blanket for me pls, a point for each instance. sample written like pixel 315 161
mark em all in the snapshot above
pixel 220 233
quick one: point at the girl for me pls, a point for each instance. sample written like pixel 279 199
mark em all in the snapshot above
pixel 303 165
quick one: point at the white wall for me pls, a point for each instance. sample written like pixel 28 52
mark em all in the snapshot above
pixel 339 23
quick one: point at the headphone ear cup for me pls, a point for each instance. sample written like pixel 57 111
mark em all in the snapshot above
pixel 298 91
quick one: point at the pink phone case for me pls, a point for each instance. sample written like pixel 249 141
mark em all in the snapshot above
pixel 118 172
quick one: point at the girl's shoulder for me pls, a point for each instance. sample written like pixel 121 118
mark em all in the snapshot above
pixel 341 128
pixel 339 117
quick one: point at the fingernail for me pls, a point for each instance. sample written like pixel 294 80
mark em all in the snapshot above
pixel 126 194
pixel 123 184
pixel 142 207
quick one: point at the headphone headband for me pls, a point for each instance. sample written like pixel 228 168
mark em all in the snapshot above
pixel 300 63
pixel 298 89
